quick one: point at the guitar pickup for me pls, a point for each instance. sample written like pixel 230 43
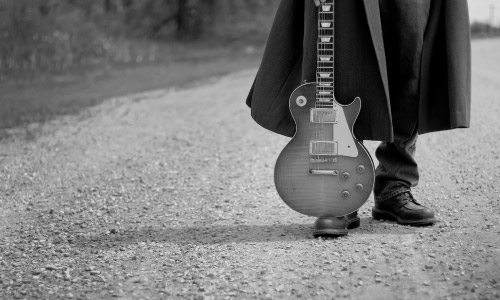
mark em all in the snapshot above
pixel 324 115
pixel 323 148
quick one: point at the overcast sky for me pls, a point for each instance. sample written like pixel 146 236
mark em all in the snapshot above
pixel 480 10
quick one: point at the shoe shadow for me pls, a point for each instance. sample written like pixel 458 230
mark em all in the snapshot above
pixel 371 226
pixel 227 234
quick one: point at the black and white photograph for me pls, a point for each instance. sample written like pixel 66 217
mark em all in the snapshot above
pixel 250 149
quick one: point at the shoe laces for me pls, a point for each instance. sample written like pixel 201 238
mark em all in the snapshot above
pixel 408 197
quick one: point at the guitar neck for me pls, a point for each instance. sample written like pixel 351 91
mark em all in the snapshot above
pixel 325 58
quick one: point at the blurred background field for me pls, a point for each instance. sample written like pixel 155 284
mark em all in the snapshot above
pixel 48 35
pixel 59 56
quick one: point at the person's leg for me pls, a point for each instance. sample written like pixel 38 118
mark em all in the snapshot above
pixel 395 175
pixel 403 25
pixel 397 171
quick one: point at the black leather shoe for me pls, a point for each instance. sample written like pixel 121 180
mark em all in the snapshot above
pixel 335 227
pixel 403 209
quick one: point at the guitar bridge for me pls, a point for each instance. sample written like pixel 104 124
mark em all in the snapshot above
pixel 325 172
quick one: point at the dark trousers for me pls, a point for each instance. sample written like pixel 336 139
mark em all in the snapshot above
pixel 397 170
pixel 403 25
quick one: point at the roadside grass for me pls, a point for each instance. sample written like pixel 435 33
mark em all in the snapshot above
pixel 30 99
pixel 27 100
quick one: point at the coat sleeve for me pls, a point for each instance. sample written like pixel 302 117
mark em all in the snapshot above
pixel 280 71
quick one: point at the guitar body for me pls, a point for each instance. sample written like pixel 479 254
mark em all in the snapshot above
pixel 324 171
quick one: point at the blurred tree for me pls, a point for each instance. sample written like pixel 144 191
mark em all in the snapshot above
pixel 185 21
pixel 108 6
pixel 127 3
pixel 53 34
pixel 482 29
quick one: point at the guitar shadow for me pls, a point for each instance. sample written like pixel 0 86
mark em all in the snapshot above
pixel 228 234
pixel 204 235
pixel 371 226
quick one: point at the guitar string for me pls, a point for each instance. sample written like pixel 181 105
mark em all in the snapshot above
pixel 321 104
pixel 324 49
pixel 332 64
pixel 317 104
pixel 319 74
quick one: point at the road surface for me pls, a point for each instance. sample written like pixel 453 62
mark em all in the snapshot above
pixel 169 195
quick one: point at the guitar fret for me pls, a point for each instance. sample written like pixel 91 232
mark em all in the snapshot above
pixel 325 51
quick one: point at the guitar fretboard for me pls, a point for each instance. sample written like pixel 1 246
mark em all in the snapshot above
pixel 325 62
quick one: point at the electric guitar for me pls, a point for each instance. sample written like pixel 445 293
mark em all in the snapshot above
pixel 324 171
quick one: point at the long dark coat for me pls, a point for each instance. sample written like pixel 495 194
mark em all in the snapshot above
pixel 360 67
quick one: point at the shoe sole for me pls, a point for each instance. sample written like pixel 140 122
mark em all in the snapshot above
pixel 354 223
pixel 330 233
pixel 385 215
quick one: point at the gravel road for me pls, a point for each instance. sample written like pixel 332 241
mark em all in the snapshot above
pixel 169 195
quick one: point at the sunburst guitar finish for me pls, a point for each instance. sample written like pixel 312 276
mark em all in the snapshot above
pixel 324 171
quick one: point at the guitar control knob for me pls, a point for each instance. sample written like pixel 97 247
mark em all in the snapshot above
pixel 359 187
pixel 301 101
pixel 361 169
pixel 346 175
pixel 345 194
